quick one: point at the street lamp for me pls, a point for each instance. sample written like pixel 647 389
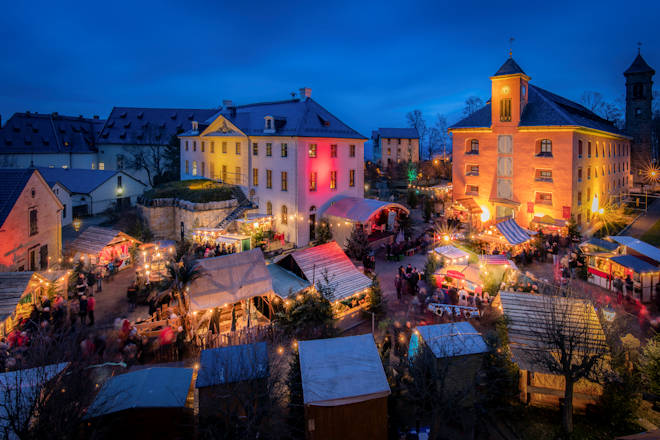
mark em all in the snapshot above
pixel 76 224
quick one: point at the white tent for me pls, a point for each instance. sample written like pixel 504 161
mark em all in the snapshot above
pixel 341 371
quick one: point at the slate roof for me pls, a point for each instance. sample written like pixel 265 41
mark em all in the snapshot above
pixel 544 109
pixel 49 133
pixel 397 133
pixel 294 117
pixel 639 65
pixel 232 364
pixel 634 263
pixel 12 182
pixel 93 239
pixel 509 67
pixel 148 126
pixel 76 180
pixel 639 246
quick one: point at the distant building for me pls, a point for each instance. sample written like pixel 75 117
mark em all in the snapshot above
pixel 292 158
pixel 639 117
pixel 395 145
pixel 30 221
pixel 49 140
pixel 535 156
pixel 89 192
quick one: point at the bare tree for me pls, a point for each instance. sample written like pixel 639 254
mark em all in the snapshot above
pixel 595 102
pixel 438 137
pixel 150 155
pixel 472 104
pixel 416 120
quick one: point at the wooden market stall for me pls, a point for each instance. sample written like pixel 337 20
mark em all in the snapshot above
pixel 215 236
pixel 466 277
pixel 103 248
pixel 451 255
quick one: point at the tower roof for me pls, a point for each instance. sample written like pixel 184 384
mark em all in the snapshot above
pixel 639 66
pixel 509 67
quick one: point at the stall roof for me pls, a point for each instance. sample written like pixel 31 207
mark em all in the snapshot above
pixel 452 339
pixel 470 272
pixel 470 205
pixel 230 278
pixel 638 246
pixel 93 239
pixel 634 263
pixel 12 287
pixel 499 259
pixel 451 252
pixel 341 371
pixel 342 273
pixel 157 387
pixel 513 232
pixel 231 364
pixel 600 243
pixel 360 210
pixel 286 283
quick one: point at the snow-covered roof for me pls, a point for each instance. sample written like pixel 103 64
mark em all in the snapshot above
pixel 452 339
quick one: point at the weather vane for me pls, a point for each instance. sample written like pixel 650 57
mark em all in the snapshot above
pixel 639 47
pixel 511 40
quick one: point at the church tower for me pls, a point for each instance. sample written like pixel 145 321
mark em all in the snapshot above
pixel 639 115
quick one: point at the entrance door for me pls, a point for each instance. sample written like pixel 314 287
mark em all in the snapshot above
pixel 32 259
pixel 312 227
pixel 43 257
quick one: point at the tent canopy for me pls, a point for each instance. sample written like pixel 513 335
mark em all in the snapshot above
pixel 638 246
pixel 452 339
pixel 513 232
pixel 286 283
pixel 452 252
pixel 232 364
pixel 157 387
pixel 229 279
pixel 635 264
pixel 469 273
pixel 93 239
pixel 360 210
pixel 341 371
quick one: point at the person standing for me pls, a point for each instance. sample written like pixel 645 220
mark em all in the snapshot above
pixel 81 286
pixel 82 309
pixel 91 305
pixel 398 285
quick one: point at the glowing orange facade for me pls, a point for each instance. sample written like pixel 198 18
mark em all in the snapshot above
pixel 535 156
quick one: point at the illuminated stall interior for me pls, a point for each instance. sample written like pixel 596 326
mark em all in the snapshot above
pixel 97 246
pixel 215 236
pixel 154 258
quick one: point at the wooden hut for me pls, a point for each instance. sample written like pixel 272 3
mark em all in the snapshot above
pixel 344 389
pixel 100 246
pixel 529 316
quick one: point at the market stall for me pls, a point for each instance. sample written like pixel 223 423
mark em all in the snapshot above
pixel 229 242
pixel 466 277
pixel 451 255
pixel 103 248
pixel 154 258
pixel 604 268
pixel 549 225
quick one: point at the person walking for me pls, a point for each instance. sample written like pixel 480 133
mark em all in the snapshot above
pixel 91 305
pixel 82 309
pixel 81 286
pixel 398 285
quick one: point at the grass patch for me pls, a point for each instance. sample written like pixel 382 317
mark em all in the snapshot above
pixel 652 236
pixel 196 191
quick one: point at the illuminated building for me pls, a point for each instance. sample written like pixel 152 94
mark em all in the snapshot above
pixel 395 145
pixel 535 156
pixel 291 158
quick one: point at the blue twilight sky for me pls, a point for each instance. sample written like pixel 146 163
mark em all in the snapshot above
pixel 369 63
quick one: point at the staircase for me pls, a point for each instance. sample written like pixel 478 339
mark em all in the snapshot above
pixel 244 204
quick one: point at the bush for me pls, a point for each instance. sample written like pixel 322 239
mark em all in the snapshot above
pixel 412 199
pixel 376 303
pixel 323 233
pixel 195 191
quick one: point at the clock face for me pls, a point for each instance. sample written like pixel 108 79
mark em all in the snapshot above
pixel 505 90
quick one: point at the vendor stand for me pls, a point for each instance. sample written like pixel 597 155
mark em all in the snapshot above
pixel 549 225
pixel 451 255
pixel 214 236
pixel 105 249
pixel 154 258
pixel 461 277
pixel 604 268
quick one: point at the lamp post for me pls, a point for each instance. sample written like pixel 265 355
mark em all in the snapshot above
pixel 76 224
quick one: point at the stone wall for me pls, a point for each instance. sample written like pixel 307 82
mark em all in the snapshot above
pixel 164 216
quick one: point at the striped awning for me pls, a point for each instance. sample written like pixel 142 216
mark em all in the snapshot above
pixel 513 232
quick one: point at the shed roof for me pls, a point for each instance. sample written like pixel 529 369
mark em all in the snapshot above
pixel 342 273
pixel 286 283
pixel 451 252
pixel 599 242
pixel 360 210
pixel 93 239
pixel 157 387
pixel 230 278
pixel 634 263
pixel 76 180
pixel 452 339
pixel 638 246
pixel 341 371
pixel 12 182
pixel 12 287
pixel 231 364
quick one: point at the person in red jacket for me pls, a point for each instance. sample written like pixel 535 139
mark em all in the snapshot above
pixel 91 305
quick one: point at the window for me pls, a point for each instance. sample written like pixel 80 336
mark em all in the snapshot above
pixel 269 208
pixel 543 198
pixel 269 178
pixel 351 178
pixel 472 170
pixel 589 173
pixel 333 179
pixel 638 90
pixel 255 148
pixel 203 169
pixel 545 148
pixel 194 145
pixel 285 181
pixel 596 149
pixel 269 150
pixel 473 147
pixel 333 150
pixel 399 141
pixel 33 222
pixel 212 147
pixel 120 161
pixel 64 211
pixel 579 219
pixel 544 175
pixel 389 151
pixel 187 167
pixel 238 148
pixel 589 149
pixel 579 149
pixel 579 198
pixel 269 123
pixel 351 150
pixel 186 145
pixel 579 175
pixel 203 146
pixel 255 177
pixel 101 166
pixel 388 141
pixel 472 189
pixel 224 148
pixel 312 181
pixel 224 173
pixel 312 150
pixel 238 179
pixel 285 150
pixel 194 170
pixel 505 110
pixel 285 215
pixel 119 181
pixel 638 111
pixel 212 170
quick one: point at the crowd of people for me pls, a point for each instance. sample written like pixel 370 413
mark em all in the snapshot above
pixel 208 250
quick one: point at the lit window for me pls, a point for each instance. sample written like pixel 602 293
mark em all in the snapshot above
pixel 101 166
pixel 285 150
pixel 544 175
pixel 312 150
pixel 505 110
pixel 255 149
pixel 269 150
pixel 472 189
pixel 351 178
pixel 472 170
pixel 285 215
pixel 544 198
pixel 285 183
pixel 269 178
pixel 333 179
pixel 351 150
pixel 194 169
pixel 255 177
pixel 473 147
pixel 333 150
pixel 312 181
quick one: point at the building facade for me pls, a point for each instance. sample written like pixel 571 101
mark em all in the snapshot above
pixel 533 155
pixel 31 221
pixel 291 158
pixel 639 117
pixel 395 145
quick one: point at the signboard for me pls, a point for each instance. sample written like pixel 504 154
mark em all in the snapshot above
pixel 456 274
pixel 566 212
pixel 530 207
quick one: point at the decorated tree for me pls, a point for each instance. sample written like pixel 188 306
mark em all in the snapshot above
pixel 376 301
pixel 357 245
pixel 323 232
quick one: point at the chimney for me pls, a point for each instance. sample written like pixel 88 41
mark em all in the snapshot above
pixel 227 103
pixel 305 92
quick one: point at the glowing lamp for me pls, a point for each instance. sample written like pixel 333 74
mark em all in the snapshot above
pixel 601 211
pixel 594 204
pixel 120 190
pixel 445 237
pixel 76 224
pixel 485 214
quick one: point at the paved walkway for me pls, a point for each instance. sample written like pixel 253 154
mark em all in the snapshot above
pixel 645 221
pixel 111 302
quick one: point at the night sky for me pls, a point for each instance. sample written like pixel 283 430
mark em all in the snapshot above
pixel 367 63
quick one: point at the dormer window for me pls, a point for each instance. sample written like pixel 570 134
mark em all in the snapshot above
pixel 269 125
pixel 195 125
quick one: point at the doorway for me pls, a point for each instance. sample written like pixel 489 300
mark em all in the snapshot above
pixel 312 223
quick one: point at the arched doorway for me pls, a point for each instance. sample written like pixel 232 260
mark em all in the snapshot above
pixel 312 223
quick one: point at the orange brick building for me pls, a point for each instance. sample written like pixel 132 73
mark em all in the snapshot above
pixel 535 156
